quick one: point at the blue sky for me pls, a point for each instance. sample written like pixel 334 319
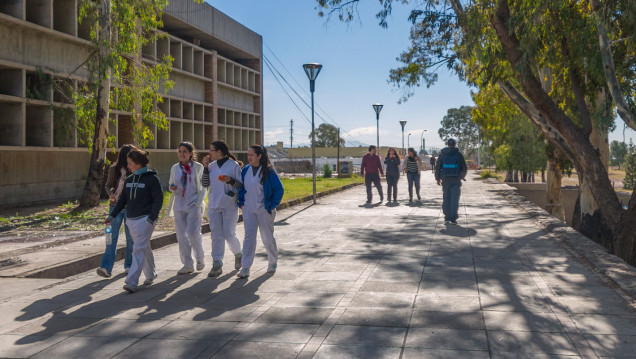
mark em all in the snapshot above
pixel 356 60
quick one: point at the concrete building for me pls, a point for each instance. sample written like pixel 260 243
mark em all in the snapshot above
pixel 217 93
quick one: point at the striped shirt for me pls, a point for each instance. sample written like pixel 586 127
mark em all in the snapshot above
pixel 411 165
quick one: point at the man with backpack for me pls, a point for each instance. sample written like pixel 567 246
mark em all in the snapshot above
pixel 450 170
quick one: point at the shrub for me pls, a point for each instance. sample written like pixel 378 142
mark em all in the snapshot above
pixel 326 171
pixel 629 182
pixel 488 174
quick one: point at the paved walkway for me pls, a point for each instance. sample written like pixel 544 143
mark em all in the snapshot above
pixel 353 281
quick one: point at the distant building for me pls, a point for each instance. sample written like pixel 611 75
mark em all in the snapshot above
pixel 217 93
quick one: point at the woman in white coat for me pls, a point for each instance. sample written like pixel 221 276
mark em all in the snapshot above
pixel 261 193
pixel 222 175
pixel 187 202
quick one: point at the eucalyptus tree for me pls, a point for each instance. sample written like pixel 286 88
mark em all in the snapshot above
pixel 585 46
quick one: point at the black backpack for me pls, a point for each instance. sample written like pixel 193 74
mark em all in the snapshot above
pixel 450 165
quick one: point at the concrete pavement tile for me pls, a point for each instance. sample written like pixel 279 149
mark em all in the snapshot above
pixel 364 335
pixel 277 333
pixel 291 315
pixel 17 313
pixel 58 324
pixel 356 351
pixel 323 286
pixel 376 317
pixel 75 347
pixel 567 279
pixel 155 311
pixel 310 300
pixel 448 289
pixel 390 287
pixel 101 309
pixel 168 348
pixel 507 355
pixel 241 350
pixel 342 267
pixel 235 299
pixel 523 321
pixel 123 328
pixel 346 276
pixel 597 305
pixel 182 329
pixel 144 294
pixel 605 324
pixel 437 338
pixel 584 291
pixel 517 280
pixel 446 262
pixel 210 312
pixel 612 346
pixel 447 304
pixel 382 300
pixel 395 275
pixel 15 288
pixel 447 320
pixel 354 258
pixel 418 353
pixel 21 346
pixel 531 343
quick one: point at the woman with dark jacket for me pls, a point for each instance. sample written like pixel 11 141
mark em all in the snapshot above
pixel 261 193
pixel 142 198
pixel 392 162
pixel 117 175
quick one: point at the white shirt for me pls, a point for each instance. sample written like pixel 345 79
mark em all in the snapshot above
pixel 184 202
pixel 217 195
pixel 254 197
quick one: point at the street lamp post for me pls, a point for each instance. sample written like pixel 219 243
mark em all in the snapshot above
pixel 423 141
pixel 312 70
pixel 378 107
pixel 408 141
pixel 403 123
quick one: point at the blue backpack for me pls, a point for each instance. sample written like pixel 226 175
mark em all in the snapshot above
pixel 450 165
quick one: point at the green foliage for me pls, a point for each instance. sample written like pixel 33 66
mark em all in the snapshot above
pixel 629 181
pixel 458 124
pixel 618 151
pixel 326 171
pixel 488 174
pixel 327 136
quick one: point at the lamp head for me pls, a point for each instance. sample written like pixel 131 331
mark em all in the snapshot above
pixel 403 123
pixel 377 107
pixel 312 70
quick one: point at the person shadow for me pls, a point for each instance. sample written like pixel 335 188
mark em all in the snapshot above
pixel 457 230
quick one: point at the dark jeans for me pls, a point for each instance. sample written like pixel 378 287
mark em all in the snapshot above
pixel 452 192
pixel 375 179
pixel 413 178
pixel 108 259
pixel 391 186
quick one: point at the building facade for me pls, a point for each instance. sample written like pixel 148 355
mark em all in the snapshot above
pixel 217 93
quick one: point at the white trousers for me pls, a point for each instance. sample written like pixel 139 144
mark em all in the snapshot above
pixel 263 221
pixel 223 229
pixel 141 231
pixel 188 227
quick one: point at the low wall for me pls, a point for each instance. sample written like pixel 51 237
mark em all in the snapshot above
pixel 537 194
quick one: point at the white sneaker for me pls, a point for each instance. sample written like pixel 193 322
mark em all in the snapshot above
pixel 130 288
pixel 200 265
pixel 244 273
pixel 185 270
pixel 126 270
pixel 149 281
pixel 237 260
pixel 271 268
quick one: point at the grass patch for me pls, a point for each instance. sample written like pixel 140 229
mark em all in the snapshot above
pixel 488 174
pixel 301 187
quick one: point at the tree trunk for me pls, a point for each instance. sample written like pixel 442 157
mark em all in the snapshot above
pixel 554 204
pixel 542 176
pixel 508 176
pixel 95 177
pixel 515 175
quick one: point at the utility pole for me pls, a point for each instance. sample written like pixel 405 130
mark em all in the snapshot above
pixel 291 133
pixel 338 158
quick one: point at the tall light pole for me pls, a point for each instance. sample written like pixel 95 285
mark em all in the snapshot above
pixel 312 70
pixel 378 107
pixel 423 141
pixel 403 123
pixel 408 140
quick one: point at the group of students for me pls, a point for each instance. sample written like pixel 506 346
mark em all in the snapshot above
pixel 450 169
pixel 136 198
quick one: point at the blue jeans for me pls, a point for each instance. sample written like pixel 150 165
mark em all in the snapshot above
pixel 452 191
pixel 374 178
pixel 413 178
pixel 108 259
pixel 391 185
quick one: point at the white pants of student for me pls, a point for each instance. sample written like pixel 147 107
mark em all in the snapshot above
pixel 255 221
pixel 188 227
pixel 223 229
pixel 143 260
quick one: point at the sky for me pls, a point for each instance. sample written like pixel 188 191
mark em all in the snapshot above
pixel 356 59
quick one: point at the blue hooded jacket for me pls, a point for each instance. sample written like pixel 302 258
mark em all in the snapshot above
pixel 272 190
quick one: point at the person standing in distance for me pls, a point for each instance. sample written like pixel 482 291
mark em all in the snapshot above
pixel 222 175
pixel 450 170
pixel 188 193
pixel 142 198
pixel 432 162
pixel 392 162
pixel 372 165
pixel 413 166
pixel 261 193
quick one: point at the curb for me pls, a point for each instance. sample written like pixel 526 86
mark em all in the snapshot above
pixel 614 271
pixel 63 270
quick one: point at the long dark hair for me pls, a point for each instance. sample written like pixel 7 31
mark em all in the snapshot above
pixel 411 149
pixel 190 148
pixel 121 159
pixel 388 153
pixel 263 162
pixel 224 148
pixel 138 156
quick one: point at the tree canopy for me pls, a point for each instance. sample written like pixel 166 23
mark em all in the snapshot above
pixel 458 124
pixel 327 136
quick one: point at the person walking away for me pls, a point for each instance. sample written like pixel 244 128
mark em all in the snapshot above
pixel 117 175
pixel 432 162
pixel 188 194
pixel 392 162
pixel 142 197
pixel 413 166
pixel 261 193
pixel 222 175
pixel 373 167
pixel 450 170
